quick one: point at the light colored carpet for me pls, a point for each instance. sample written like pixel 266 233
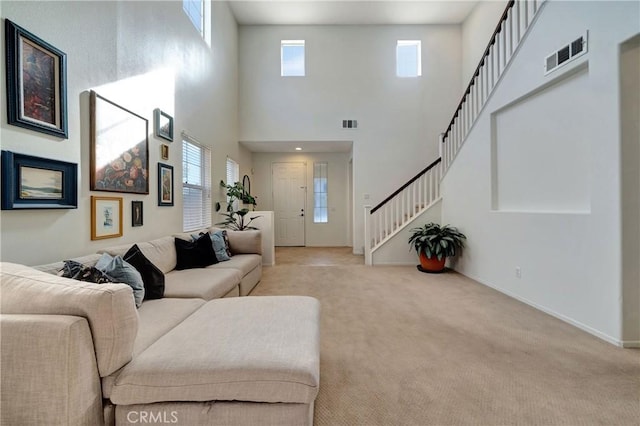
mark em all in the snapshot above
pixel 400 347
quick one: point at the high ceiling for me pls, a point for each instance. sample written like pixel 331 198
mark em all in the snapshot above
pixel 356 12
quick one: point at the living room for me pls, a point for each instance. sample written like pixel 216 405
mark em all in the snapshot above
pixel 224 89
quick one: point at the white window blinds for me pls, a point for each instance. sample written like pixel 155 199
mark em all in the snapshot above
pixel 196 185
pixel 233 176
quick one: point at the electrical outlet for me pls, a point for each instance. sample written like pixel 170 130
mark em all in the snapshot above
pixel 518 272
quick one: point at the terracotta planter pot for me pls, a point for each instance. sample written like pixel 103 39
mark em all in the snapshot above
pixel 432 264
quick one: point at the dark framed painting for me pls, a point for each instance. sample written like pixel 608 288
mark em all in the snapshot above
pixel 36 82
pixel 136 213
pixel 106 217
pixel 119 148
pixel 163 125
pixel 165 185
pixel 30 182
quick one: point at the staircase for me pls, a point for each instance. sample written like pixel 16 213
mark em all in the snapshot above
pixel 420 193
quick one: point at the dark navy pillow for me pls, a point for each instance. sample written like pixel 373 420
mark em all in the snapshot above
pixel 152 277
pixel 196 254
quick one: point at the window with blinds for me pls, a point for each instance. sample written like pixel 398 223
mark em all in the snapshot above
pixel 196 186
pixel 233 176
pixel 292 58
pixel 320 205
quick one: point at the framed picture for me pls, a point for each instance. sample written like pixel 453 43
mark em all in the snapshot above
pixel 36 82
pixel 106 217
pixel 30 182
pixel 163 125
pixel 136 213
pixel 165 185
pixel 119 148
pixel 164 151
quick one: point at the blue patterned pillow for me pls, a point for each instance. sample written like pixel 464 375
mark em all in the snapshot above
pixel 77 271
pixel 218 244
pixel 123 272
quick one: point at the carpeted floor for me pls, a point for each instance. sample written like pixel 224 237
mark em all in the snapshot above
pixel 400 347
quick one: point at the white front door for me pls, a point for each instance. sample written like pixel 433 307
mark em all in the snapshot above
pixel 289 194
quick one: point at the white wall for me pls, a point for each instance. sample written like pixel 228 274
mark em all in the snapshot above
pixel 570 262
pixel 331 234
pixel 476 31
pixel 351 75
pixel 141 55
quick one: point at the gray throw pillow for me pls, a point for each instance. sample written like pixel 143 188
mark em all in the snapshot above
pixel 123 272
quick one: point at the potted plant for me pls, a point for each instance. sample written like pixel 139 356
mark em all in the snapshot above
pixel 434 243
pixel 235 219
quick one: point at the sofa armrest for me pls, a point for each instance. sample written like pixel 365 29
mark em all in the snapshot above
pixel 48 371
pixel 245 242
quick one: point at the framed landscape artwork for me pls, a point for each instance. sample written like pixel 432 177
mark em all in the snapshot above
pixel 106 217
pixel 36 82
pixel 119 148
pixel 163 125
pixel 30 182
pixel 165 185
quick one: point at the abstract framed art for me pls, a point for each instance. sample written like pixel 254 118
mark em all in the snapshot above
pixel 165 185
pixel 36 82
pixel 106 217
pixel 30 182
pixel 136 213
pixel 119 148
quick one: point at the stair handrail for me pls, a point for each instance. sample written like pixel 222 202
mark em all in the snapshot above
pixel 409 182
pixel 492 41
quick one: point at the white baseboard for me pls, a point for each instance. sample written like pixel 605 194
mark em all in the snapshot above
pixel 578 324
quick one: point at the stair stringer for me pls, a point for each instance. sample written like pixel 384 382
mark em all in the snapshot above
pixel 395 250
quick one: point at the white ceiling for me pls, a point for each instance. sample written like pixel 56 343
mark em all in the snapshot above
pixel 351 12
pixel 307 146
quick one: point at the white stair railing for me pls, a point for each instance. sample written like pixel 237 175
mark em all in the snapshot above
pixel 389 217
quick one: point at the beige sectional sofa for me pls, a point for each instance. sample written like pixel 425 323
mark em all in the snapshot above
pixel 77 353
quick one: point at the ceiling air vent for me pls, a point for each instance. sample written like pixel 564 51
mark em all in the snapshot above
pixel 349 124
pixel 566 54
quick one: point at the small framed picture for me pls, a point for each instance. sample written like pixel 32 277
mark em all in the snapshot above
pixel 36 83
pixel 165 185
pixel 30 182
pixel 163 124
pixel 106 217
pixel 164 151
pixel 136 213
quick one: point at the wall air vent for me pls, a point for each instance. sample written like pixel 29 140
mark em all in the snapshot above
pixel 349 124
pixel 566 54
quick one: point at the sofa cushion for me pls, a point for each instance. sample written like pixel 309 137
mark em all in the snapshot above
pixel 244 263
pixel 161 252
pixel 108 308
pixel 243 242
pixel 205 284
pixel 195 254
pixel 123 272
pixel 152 277
pixel 260 349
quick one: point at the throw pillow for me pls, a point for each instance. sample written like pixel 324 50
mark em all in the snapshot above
pixel 219 246
pixel 217 241
pixel 225 236
pixel 152 277
pixel 123 272
pixel 78 271
pixel 196 254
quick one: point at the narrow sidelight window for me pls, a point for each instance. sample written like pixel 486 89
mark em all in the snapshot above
pixel 320 204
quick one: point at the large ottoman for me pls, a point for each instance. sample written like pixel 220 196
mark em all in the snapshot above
pixel 250 360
